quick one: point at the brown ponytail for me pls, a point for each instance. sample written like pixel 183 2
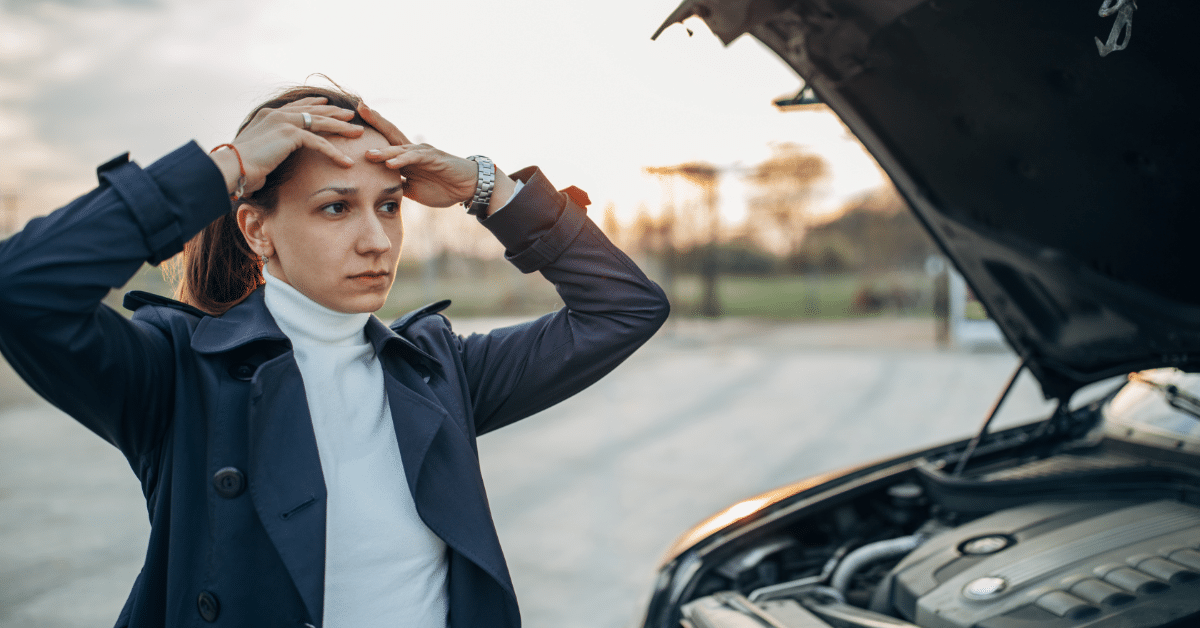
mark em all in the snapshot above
pixel 217 268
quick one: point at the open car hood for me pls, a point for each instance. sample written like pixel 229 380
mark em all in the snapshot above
pixel 1054 178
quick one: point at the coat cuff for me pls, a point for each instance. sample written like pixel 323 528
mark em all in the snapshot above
pixel 537 224
pixel 172 200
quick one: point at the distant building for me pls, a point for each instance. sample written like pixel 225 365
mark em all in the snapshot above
pixel 970 327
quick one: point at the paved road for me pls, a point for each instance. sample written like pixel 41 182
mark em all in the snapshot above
pixel 586 495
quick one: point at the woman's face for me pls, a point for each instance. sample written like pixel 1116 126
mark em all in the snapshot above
pixel 336 232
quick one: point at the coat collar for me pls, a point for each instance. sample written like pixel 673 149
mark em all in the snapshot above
pixel 250 321
pixel 244 323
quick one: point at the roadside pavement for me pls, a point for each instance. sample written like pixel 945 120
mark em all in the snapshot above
pixel 586 495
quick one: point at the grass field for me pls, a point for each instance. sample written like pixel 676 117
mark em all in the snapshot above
pixel 498 290
pixel 794 297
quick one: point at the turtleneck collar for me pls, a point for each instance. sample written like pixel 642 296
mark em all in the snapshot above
pixel 307 322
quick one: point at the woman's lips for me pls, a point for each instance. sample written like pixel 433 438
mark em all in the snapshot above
pixel 371 278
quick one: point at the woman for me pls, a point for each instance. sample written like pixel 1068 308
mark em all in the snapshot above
pixel 303 463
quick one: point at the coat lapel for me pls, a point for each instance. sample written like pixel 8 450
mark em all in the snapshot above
pixel 285 480
pixel 286 483
pixel 443 473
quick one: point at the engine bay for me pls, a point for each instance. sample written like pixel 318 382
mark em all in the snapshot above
pixel 1088 519
pixel 897 557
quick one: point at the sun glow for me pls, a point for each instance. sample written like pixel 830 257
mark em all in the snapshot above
pixel 592 105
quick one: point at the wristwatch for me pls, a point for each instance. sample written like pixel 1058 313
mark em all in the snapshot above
pixel 484 184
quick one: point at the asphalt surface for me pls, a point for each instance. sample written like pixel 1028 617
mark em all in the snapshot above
pixel 587 495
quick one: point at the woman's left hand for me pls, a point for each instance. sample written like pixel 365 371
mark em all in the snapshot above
pixel 433 177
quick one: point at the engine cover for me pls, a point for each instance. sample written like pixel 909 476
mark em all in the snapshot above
pixel 1057 564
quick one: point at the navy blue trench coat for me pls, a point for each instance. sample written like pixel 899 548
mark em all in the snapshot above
pixel 211 413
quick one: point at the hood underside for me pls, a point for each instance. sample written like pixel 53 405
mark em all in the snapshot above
pixel 1055 179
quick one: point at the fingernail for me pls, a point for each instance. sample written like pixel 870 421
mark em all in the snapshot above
pixel 374 152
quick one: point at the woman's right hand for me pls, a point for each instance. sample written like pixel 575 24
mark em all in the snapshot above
pixel 273 134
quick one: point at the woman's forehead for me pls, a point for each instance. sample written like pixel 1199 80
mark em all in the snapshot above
pixel 315 170
pixel 368 140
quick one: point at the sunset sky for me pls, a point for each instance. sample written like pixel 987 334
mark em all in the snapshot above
pixel 576 88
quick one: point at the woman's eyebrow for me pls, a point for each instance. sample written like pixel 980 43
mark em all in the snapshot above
pixel 348 191
pixel 334 188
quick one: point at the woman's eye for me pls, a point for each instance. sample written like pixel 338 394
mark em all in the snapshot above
pixel 390 207
pixel 334 209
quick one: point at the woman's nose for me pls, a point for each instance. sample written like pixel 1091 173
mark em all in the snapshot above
pixel 373 238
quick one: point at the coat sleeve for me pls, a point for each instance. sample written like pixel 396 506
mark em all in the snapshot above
pixel 611 308
pixel 113 375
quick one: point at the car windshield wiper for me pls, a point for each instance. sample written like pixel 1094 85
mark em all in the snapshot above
pixel 1178 399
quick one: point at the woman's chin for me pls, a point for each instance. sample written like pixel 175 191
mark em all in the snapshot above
pixel 362 295
pixel 359 303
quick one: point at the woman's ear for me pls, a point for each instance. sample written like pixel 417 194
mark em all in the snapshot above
pixel 251 220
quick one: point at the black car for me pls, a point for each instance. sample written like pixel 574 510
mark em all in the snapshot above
pixel 1047 146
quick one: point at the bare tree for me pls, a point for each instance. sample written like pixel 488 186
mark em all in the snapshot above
pixel 666 235
pixel 437 235
pixel 778 211
pixel 706 177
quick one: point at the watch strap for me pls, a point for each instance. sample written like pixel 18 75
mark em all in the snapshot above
pixel 485 183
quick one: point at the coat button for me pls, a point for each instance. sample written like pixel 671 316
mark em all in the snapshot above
pixel 423 373
pixel 208 606
pixel 229 482
pixel 244 372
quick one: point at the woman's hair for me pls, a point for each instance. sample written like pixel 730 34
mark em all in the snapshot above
pixel 217 268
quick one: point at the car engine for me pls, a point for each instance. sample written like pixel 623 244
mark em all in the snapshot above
pixel 1055 564
pixel 1061 563
pixel 1099 531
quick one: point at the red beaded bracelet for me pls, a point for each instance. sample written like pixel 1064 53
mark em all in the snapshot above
pixel 241 188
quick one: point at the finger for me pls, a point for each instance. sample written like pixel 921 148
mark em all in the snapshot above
pixel 303 102
pixel 393 135
pixel 428 158
pixel 315 105
pixel 330 111
pixel 419 153
pixel 323 124
pixel 383 154
pixel 405 160
pixel 408 156
pixel 323 146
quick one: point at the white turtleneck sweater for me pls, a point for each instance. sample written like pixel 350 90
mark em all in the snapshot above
pixel 383 566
